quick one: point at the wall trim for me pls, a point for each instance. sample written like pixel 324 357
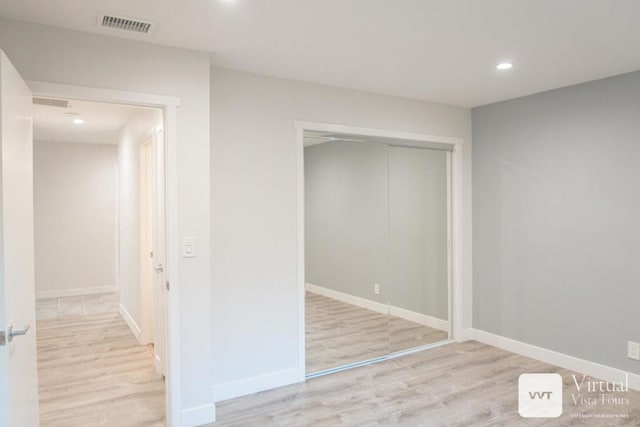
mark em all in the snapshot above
pixel 61 293
pixel 562 360
pixel 199 415
pixel 256 384
pixel 385 133
pixel 132 323
pixel 412 316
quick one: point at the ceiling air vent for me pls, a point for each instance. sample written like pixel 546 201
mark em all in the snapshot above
pixel 50 102
pixel 126 24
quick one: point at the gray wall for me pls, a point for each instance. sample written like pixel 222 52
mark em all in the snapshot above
pixel 556 201
pixel 378 214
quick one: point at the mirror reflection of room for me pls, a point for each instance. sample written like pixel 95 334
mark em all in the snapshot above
pixel 376 248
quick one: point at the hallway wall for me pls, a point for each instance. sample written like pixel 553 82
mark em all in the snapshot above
pixel 132 135
pixel 75 218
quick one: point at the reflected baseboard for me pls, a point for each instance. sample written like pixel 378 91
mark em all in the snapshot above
pixel 412 316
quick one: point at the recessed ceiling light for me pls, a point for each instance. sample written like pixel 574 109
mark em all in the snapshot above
pixel 504 65
pixel 78 121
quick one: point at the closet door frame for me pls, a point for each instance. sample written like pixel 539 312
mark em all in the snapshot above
pixel 459 273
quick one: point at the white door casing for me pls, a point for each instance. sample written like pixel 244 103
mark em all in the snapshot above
pixel 147 298
pixel 18 358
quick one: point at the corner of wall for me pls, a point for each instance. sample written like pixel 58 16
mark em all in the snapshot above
pixel 131 323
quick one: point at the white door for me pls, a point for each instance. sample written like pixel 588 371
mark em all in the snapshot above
pixel 18 358
pixel 159 253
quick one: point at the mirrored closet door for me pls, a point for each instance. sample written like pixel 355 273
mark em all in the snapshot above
pixel 418 247
pixel 376 251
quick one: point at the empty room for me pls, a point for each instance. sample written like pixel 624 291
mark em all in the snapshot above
pixel 319 213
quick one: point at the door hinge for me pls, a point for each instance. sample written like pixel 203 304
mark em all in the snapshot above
pixel 167 285
pixel 150 254
pixel 2 338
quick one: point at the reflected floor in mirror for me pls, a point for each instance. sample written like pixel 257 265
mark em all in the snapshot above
pixel 338 333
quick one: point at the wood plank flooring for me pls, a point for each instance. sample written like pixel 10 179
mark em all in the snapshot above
pixel 49 308
pixel 338 333
pixel 93 372
pixel 466 384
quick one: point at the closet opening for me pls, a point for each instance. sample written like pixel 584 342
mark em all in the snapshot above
pixel 376 236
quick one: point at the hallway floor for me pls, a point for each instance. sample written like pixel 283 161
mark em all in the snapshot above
pixel 92 371
pixel 49 308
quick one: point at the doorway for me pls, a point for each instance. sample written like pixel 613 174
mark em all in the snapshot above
pixel 385 256
pixel 99 258
pixel 17 291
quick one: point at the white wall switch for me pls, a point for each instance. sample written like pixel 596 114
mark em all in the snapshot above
pixel 633 350
pixel 376 288
pixel 188 247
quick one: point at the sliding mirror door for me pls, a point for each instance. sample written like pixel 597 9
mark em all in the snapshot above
pixel 376 248
pixel 346 253
pixel 418 247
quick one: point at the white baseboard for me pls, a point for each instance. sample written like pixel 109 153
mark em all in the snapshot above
pixel 61 293
pixel 465 335
pixel 132 323
pixel 378 307
pixel 551 357
pixel 198 416
pixel 256 384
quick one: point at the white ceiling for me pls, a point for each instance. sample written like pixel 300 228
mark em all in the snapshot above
pixel 436 50
pixel 102 122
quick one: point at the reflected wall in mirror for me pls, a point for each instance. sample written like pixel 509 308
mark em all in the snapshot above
pixel 345 253
pixel 376 252
pixel 418 247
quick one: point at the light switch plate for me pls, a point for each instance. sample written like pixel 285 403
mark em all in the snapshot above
pixel 633 350
pixel 188 247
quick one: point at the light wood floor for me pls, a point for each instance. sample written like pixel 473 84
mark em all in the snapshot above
pixel 93 372
pixel 466 384
pixel 49 308
pixel 338 333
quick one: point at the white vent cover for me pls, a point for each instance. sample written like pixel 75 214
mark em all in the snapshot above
pixel 50 102
pixel 125 24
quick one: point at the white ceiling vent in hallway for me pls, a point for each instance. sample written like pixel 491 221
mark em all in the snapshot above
pixel 125 24
pixel 50 102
